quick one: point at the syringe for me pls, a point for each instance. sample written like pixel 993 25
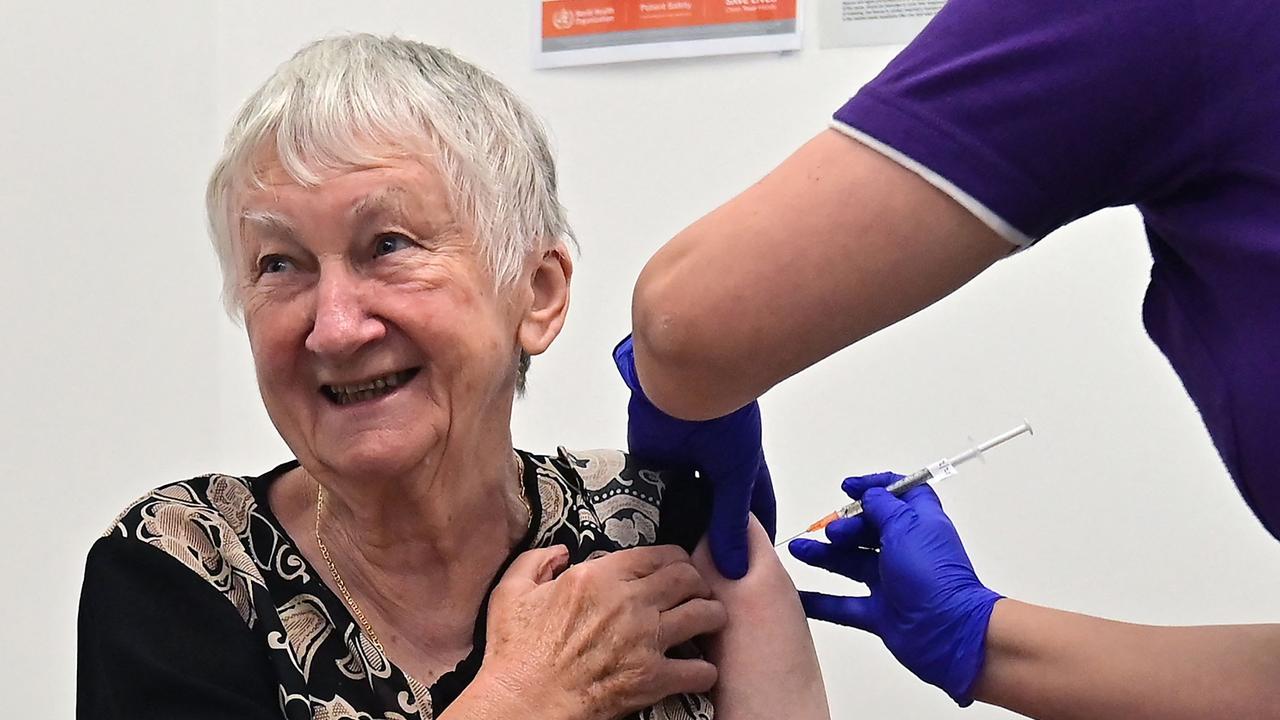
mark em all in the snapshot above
pixel 943 468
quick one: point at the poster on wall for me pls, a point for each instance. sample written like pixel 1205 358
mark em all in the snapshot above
pixel 588 32
pixel 852 23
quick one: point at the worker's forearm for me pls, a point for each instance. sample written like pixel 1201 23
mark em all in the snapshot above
pixel 810 259
pixel 1055 665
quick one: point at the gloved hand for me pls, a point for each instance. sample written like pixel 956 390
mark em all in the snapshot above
pixel 725 450
pixel 926 603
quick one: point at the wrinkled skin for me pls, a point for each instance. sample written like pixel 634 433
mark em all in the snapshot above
pixel 591 642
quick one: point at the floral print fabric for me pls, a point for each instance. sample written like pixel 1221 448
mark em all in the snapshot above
pixel 221 529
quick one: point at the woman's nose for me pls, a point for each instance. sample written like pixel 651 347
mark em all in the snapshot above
pixel 343 323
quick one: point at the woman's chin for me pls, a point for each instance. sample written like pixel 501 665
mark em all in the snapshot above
pixel 366 460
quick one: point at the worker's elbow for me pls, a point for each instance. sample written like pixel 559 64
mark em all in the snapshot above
pixel 658 329
pixel 662 340
pixel 669 355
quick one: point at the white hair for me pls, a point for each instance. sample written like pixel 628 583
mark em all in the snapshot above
pixel 351 101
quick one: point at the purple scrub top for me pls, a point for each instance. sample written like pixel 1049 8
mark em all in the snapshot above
pixel 1033 113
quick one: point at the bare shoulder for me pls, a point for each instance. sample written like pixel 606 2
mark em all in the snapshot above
pixel 765 577
pixel 765 655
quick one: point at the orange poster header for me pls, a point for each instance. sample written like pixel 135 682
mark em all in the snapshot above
pixel 566 18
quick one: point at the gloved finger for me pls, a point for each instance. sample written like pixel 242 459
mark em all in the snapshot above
pixel 855 486
pixel 882 509
pixel 655 436
pixel 624 359
pixel 922 496
pixel 763 503
pixel 854 532
pixel 855 612
pixel 855 564
pixel 730 510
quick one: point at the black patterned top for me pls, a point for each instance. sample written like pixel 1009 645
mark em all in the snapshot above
pixel 197 603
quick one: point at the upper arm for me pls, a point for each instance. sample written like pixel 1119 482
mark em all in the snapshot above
pixel 156 641
pixel 1029 115
pixel 765 656
pixel 834 244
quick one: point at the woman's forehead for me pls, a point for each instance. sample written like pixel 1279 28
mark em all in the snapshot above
pixel 405 188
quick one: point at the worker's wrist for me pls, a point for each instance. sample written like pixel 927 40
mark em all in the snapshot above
pixel 969 647
pixel 945 646
pixel 1005 650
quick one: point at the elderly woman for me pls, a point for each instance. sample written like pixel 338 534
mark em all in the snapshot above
pixel 386 219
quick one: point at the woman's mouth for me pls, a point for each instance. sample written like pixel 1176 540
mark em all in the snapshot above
pixel 367 389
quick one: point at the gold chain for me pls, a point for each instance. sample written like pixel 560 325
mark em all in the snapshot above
pixel 337 577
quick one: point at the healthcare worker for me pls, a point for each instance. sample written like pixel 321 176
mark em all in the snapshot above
pixel 1003 121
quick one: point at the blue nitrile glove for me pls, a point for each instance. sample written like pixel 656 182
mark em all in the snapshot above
pixel 726 450
pixel 926 603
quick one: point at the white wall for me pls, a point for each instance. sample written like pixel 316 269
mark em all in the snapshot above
pixel 125 375
pixel 107 319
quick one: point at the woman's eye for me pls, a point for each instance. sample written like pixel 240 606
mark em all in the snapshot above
pixel 387 243
pixel 273 264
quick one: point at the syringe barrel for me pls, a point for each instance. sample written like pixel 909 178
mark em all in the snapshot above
pixel 897 487
pixel 947 468
pixel 910 481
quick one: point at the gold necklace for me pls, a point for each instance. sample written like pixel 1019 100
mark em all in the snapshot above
pixel 337 576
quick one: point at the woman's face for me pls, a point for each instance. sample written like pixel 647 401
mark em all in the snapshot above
pixel 377 335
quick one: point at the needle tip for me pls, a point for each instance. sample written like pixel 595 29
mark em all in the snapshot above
pixel 780 543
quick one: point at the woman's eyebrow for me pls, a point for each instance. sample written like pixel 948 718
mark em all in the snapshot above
pixel 270 222
pixel 388 201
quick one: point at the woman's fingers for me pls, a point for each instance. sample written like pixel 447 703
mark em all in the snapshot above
pixel 535 567
pixel 662 576
pixel 604 628
pixel 671 585
pixel 688 676
pixel 682 623
pixel 642 562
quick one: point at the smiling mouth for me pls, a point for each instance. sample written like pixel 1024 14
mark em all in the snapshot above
pixel 367 390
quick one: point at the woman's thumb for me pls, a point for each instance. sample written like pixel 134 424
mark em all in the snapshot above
pixel 537 566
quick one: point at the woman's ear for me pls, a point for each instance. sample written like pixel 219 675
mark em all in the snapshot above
pixel 549 281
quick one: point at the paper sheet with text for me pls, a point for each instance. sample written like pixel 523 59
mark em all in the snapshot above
pixel 850 23
pixel 584 32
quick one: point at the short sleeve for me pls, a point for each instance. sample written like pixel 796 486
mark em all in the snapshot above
pixel 1035 113
pixel 156 641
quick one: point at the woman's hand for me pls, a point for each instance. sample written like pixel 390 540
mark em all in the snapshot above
pixel 591 642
